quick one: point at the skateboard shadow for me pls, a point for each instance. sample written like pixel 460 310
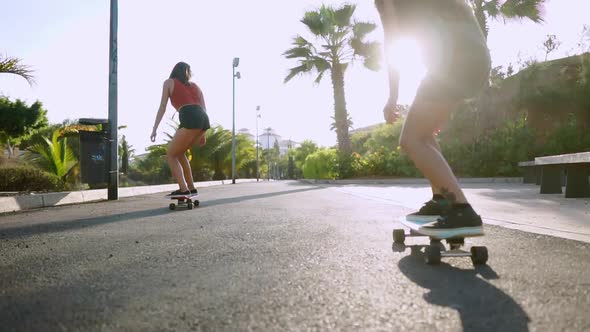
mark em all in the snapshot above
pixel 481 306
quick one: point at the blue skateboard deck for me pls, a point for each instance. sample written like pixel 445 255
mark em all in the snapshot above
pixel 436 250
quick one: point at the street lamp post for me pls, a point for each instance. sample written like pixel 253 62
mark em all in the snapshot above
pixel 268 155
pixel 235 75
pixel 257 167
pixel 113 167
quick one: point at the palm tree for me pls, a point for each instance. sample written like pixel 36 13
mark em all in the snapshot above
pixel 126 152
pixel 216 153
pixel 10 65
pixel 54 156
pixel 508 9
pixel 339 42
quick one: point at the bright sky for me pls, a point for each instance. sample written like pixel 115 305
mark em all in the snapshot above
pixel 66 43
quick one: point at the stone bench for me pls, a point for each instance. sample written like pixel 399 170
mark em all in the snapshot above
pixel 577 171
pixel 531 174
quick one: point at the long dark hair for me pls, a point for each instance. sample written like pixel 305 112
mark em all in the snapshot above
pixel 181 72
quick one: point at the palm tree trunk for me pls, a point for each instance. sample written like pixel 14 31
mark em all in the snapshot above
pixel 340 113
pixel 10 149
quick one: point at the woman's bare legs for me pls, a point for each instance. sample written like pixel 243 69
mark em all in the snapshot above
pixel 432 141
pixel 176 157
pixel 418 142
pixel 187 171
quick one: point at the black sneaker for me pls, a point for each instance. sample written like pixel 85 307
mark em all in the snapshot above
pixel 431 211
pixel 457 221
pixel 178 193
pixel 194 191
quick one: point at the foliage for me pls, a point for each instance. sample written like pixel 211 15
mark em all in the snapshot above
pixel 27 178
pixel 125 153
pixel 245 157
pixel 494 153
pixel 339 42
pixel 538 94
pixel 306 148
pixel 321 164
pixel 509 9
pixel 53 156
pixel 550 45
pixel 567 138
pixel 11 65
pixel 215 155
pixel 153 169
pixel 19 121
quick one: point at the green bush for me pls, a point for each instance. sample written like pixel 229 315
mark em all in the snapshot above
pixel 322 164
pixel 27 178
pixel 495 153
pixel 567 138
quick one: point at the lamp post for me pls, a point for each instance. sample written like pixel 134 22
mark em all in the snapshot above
pixel 235 75
pixel 113 166
pixel 257 167
pixel 268 155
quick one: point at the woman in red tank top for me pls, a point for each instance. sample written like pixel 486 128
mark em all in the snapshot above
pixel 187 98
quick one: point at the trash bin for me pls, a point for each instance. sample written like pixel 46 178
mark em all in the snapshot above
pixel 94 152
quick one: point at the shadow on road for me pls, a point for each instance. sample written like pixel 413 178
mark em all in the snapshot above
pixel 481 306
pixel 238 199
pixel 75 224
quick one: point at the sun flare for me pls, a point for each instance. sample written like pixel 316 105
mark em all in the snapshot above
pixel 405 55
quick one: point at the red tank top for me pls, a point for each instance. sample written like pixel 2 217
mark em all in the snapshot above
pixel 186 95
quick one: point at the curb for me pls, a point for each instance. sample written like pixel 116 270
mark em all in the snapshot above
pixel 27 202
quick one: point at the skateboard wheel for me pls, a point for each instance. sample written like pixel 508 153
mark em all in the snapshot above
pixel 479 255
pixel 399 236
pixel 196 203
pixel 398 247
pixel 432 254
pixel 172 206
pixel 189 205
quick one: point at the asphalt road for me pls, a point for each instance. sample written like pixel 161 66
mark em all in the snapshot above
pixel 280 256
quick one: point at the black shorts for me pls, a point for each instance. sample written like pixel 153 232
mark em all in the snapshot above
pixel 193 117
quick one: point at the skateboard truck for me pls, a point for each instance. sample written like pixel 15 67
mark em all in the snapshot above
pixel 184 201
pixel 434 252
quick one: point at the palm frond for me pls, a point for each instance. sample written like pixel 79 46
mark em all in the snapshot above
pixel 530 9
pixel 342 16
pixel 300 41
pixel 492 8
pixel 315 23
pixel 296 71
pixel 372 56
pixel 321 64
pixel 298 52
pixel 10 65
pixel 361 29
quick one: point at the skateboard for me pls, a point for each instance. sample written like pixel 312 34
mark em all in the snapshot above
pixel 434 252
pixel 186 200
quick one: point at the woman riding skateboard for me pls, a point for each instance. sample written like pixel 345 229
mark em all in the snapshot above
pixel 458 64
pixel 187 98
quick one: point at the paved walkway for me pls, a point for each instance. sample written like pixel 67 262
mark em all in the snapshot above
pixel 504 203
pixel 287 256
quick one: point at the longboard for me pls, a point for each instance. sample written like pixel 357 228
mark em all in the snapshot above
pixel 418 227
pixel 187 201
pixel 434 252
